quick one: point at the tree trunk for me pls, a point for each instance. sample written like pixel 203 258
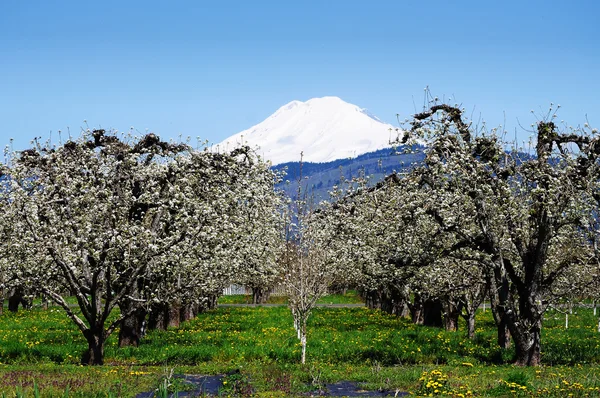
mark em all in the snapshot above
pixel 337 289
pixel 469 304
pixel 188 311
pixel 303 340
pixel 95 352
pixel 528 345
pixel 1 301
pixel 211 303
pixel 432 313
pixel 44 299
pixel 503 334
pixel 451 315
pixel 13 301
pixel 499 291
pixel 373 299
pixel 157 318
pixel 130 332
pixel 260 295
pixel 450 322
pixel 173 310
pixel 393 302
pixel 417 310
pixel 471 326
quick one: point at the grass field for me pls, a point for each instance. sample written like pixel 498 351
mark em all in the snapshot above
pixel 351 297
pixel 343 344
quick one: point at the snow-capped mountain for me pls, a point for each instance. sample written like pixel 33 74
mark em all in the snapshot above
pixel 323 129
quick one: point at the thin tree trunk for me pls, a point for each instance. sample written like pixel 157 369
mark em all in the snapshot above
pixel 471 326
pixel 499 292
pixel 393 302
pixel 303 340
pixel 470 310
pixel 44 299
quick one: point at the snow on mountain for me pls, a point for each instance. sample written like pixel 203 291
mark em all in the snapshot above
pixel 324 129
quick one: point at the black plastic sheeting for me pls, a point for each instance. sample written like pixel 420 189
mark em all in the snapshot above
pixel 210 386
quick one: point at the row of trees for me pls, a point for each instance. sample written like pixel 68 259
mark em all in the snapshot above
pixel 474 221
pixel 158 230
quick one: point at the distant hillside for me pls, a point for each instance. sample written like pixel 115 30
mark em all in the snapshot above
pixel 319 178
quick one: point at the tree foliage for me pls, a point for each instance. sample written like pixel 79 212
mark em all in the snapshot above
pixel 114 220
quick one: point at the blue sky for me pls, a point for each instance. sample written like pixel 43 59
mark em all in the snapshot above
pixel 210 69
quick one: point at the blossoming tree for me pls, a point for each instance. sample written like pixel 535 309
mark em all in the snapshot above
pixel 527 210
pixel 111 219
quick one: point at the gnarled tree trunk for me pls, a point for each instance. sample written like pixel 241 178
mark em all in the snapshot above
pixel 372 299
pixel 470 325
pixel 260 295
pixel 157 318
pixel 393 302
pixel 16 297
pixel 211 302
pixel 500 294
pixel 451 314
pixel 173 313
pixel 417 310
pixel 188 311
pixel 130 332
pixel 527 344
pixel 95 352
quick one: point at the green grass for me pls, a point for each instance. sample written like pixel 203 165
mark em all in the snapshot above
pixel 351 297
pixel 54 380
pixel 343 344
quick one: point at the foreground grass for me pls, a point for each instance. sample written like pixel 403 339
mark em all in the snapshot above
pixel 54 380
pixel 274 379
pixel 344 344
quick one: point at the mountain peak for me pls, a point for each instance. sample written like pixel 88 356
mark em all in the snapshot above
pixel 326 99
pixel 323 129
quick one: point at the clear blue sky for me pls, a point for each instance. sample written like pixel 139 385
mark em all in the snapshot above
pixel 214 68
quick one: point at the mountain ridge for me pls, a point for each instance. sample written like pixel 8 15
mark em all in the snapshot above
pixel 318 179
